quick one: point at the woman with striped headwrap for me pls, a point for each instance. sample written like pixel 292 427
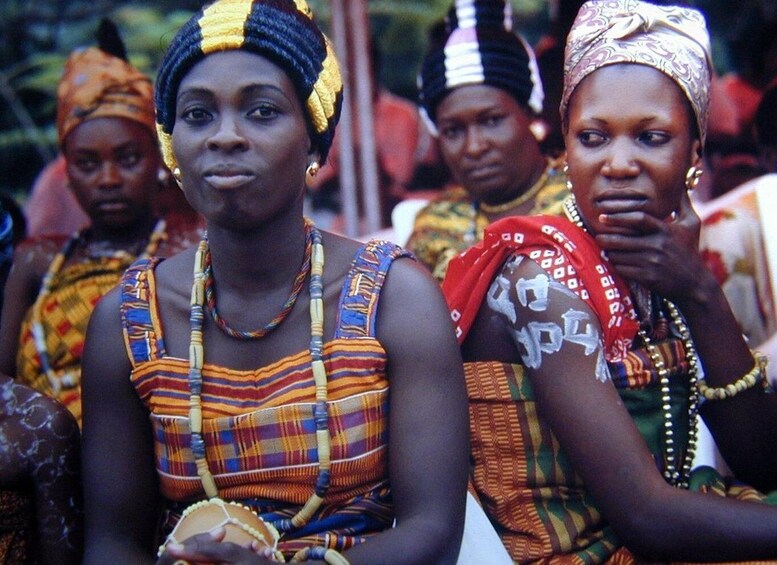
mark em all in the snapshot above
pixel 323 393
pixel 481 96
pixel 593 342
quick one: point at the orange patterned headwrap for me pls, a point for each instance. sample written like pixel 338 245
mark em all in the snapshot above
pixel 97 85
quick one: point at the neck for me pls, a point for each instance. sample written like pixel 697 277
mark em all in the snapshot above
pixel 258 259
pixel 522 197
pixel 123 238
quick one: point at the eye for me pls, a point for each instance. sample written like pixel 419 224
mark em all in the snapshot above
pixel 654 138
pixel 264 111
pixel 492 120
pixel 451 131
pixel 195 115
pixel 128 159
pixel 590 138
pixel 87 164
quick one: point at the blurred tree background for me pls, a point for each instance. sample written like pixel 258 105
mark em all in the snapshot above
pixel 37 35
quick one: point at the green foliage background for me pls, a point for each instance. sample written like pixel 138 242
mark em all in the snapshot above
pixel 36 36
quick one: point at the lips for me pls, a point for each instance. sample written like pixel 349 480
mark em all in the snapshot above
pixel 111 206
pixel 228 177
pixel 483 172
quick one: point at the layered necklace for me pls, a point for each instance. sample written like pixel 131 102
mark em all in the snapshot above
pixel 36 323
pixel 674 474
pixel 313 263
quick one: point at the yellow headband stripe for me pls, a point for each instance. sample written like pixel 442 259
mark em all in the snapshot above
pixel 322 100
pixel 222 25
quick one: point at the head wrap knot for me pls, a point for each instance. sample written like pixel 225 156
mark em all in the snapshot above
pixel 284 32
pixel 480 48
pixel 96 84
pixel 673 40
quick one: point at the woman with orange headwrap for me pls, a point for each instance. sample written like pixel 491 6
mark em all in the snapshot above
pixel 106 131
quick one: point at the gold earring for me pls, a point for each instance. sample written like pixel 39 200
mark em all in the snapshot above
pixel 313 169
pixel 692 177
pixel 177 176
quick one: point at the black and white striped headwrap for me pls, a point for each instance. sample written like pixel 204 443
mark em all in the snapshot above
pixel 480 48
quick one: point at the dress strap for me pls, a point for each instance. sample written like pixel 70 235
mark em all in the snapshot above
pixel 359 299
pixel 140 320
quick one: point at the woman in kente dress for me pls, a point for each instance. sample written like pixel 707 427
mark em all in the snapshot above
pixel 593 342
pixel 324 391
pixel 106 131
pixel 481 95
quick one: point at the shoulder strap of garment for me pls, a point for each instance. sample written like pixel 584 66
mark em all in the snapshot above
pixel 359 298
pixel 138 312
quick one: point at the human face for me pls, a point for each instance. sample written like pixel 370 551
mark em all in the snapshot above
pixel 241 140
pixel 112 167
pixel 486 142
pixel 629 151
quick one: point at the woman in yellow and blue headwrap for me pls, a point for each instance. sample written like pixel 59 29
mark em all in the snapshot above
pixel 322 392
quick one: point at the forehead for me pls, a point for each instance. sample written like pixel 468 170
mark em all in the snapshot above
pixel 475 98
pixel 628 90
pixel 235 70
pixel 107 132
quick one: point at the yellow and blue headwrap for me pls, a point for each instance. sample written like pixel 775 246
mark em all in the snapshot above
pixel 284 32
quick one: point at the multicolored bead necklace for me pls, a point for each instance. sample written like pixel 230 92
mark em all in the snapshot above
pixel 673 475
pixel 36 323
pixel 315 261
pixel 299 280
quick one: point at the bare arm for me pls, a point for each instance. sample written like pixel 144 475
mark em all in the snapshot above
pixel 585 412
pixel 428 449
pixel 664 258
pixel 121 492
pixel 30 263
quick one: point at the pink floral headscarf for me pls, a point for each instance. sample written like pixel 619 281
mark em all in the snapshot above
pixel 671 39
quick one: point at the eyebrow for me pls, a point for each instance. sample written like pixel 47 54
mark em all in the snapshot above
pixel 252 88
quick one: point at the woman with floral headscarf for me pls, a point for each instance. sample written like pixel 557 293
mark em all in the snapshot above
pixel 592 343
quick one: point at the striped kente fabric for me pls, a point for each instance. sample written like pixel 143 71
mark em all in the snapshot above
pixel 538 504
pixel 65 314
pixel 258 425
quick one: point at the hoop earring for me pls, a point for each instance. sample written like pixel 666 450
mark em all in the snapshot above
pixel 313 169
pixel 177 176
pixel 692 177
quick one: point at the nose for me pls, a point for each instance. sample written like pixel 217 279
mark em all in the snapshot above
pixel 228 135
pixel 110 175
pixel 620 162
pixel 475 143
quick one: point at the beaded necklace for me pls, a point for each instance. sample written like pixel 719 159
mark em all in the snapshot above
pixel 518 200
pixel 299 280
pixel 672 474
pixel 36 322
pixel 320 409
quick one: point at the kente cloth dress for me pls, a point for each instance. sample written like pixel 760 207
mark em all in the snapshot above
pixel 451 223
pixel 537 502
pixel 64 316
pixel 258 425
